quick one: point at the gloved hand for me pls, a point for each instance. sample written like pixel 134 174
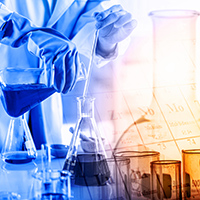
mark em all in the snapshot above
pixel 54 49
pixel 114 24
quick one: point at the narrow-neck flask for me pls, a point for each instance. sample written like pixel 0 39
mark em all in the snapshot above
pixel 19 147
pixel 86 158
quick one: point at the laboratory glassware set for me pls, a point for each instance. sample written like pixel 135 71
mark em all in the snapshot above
pixel 87 172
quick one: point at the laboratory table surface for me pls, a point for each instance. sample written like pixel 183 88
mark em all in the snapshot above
pixel 18 178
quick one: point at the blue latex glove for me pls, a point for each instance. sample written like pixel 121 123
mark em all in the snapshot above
pixel 49 45
pixel 114 24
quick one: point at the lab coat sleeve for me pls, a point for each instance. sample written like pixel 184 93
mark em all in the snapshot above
pixel 49 45
pixel 4 16
pixel 84 32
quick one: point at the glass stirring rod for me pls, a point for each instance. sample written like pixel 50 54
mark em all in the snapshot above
pixel 90 63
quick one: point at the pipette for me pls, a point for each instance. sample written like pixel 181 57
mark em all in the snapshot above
pixel 90 63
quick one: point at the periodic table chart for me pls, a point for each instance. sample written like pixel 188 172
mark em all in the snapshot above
pixel 136 114
pixel 126 113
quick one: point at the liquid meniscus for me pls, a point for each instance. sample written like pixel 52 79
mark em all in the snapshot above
pixel 17 157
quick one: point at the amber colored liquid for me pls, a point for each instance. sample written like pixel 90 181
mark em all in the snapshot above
pixel 18 99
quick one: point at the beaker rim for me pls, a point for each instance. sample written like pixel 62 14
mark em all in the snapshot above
pixel 53 174
pixel 174 13
pixel 166 162
pixel 137 153
pixel 118 159
pixel 191 151
pixel 85 98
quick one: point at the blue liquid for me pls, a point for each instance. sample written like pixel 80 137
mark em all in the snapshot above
pixel 17 158
pixel 91 170
pixel 52 196
pixel 18 99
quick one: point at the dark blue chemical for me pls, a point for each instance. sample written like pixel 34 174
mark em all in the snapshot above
pixel 52 196
pixel 91 170
pixel 17 158
pixel 18 99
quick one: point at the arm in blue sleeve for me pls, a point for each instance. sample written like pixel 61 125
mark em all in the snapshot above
pixel 49 45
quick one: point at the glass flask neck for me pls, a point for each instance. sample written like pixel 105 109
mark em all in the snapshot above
pixel 85 107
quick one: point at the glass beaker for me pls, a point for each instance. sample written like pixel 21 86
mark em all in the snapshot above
pixel 166 179
pixel 140 172
pixel 191 173
pixel 57 186
pixel 86 157
pixel 22 89
pixel 116 187
pixel 174 111
pixel 17 179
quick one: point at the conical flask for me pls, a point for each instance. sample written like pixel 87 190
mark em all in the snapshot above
pixel 19 147
pixel 86 158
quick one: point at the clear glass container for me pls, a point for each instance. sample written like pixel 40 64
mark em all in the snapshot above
pixel 171 121
pixel 21 90
pixel 57 186
pixel 116 187
pixel 86 150
pixel 191 173
pixel 166 180
pixel 140 172
pixel 18 147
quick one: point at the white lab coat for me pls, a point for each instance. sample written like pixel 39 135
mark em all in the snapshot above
pixel 74 19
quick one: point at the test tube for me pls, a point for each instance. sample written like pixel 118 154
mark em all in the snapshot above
pixel 166 179
pixel 191 173
pixel 46 161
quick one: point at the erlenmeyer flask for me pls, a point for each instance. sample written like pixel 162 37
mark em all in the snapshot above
pixel 19 147
pixel 22 89
pixel 86 157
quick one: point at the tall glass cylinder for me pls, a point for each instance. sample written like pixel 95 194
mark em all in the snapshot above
pixel 172 119
pixel 174 41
